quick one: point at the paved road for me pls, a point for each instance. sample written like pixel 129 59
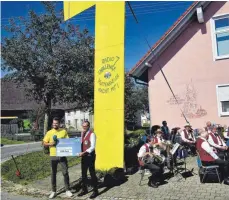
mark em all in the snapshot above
pixel 175 188
pixel 19 149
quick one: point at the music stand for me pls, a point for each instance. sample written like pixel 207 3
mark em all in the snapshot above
pixel 180 171
pixel 176 171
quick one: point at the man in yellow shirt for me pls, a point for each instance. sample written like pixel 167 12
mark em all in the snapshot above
pixel 49 140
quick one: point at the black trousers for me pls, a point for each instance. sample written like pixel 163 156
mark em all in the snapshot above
pixel 223 166
pixel 191 146
pixel 64 168
pixel 223 154
pixel 88 162
pixel 155 170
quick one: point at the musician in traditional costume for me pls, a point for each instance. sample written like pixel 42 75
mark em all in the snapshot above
pixel 88 141
pixel 145 155
pixel 188 138
pixel 208 127
pixel 218 143
pixel 162 146
pixel 208 157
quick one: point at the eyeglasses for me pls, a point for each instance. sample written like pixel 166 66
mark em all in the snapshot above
pixel 84 126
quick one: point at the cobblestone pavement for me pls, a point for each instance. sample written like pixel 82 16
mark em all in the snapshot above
pixel 173 188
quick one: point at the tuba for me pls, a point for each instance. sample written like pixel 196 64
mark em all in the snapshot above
pixel 153 158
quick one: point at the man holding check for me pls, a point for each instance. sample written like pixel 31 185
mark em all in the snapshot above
pixel 50 141
pixel 88 155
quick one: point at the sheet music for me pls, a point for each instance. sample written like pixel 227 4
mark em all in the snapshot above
pixel 174 149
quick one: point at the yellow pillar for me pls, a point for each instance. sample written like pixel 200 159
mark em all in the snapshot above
pixel 109 79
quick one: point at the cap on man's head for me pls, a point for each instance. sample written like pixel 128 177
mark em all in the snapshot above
pixel 187 125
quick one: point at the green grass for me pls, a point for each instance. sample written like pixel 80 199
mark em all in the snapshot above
pixel 33 166
pixel 6 141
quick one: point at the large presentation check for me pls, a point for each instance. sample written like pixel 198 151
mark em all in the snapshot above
pixel 68 147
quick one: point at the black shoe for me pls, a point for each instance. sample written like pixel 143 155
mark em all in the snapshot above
pixel 152 184
pixel 94 194
pixel 226 181
pixel 83 192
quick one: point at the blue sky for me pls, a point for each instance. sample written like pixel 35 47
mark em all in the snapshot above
pixel 154 18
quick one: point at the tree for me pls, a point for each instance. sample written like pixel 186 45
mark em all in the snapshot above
pixel 54 60
pixel 136 100
pixel 36 117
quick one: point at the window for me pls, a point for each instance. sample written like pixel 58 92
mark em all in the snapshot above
pixel 68 113
pixel 222 92
pixel 69 122
pixel 220 36
pixel 225 106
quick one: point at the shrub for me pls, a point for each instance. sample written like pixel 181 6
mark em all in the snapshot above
pixel 71 128
pixel 146 125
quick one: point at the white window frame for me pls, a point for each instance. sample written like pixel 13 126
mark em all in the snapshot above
pixel 219 104
pixel 213 35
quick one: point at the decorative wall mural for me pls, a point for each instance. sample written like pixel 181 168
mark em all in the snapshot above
pixel 172 100
pixel 190 107
pixel 188 99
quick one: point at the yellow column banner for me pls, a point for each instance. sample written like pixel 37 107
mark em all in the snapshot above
pixel 109 79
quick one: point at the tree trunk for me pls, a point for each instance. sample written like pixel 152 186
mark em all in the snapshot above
pixel 46 122
pixel 47 114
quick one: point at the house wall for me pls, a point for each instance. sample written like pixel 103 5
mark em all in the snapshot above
pixel 74 118
pixel 193 75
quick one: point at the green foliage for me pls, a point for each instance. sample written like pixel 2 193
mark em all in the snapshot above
pixel 52 58
pixel 146 125
pixel 33 166
pixel 137 133
pixel 6 141
pixel 134 138
pixel 136 99
pixel 27 123
pixel 36 117
pixel 70 128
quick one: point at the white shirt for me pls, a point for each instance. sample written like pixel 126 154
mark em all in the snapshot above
pixel 189 136
pixel 212 143
pixel 142 151
pixel 92 140
pixel 206 146
pixel 160 139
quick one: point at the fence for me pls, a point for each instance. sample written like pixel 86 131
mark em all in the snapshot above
pixel 9 130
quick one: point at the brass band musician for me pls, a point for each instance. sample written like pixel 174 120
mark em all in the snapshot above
pixel 218 143
pixel 148 160
pixel 188 138
pixel 209 157
pixel 162 146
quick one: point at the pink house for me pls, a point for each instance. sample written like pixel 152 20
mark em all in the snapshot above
pixel 194 57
